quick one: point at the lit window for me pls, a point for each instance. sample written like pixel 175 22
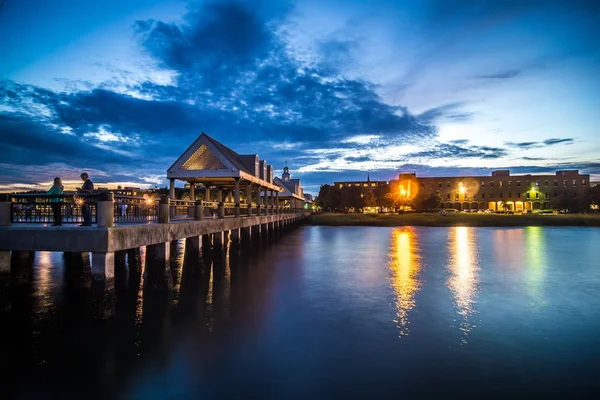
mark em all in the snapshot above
pixel 456 197
pixel 500 183
pixel 373 184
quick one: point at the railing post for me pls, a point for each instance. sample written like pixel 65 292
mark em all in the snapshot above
pixel 199 210
pixel 236 197
pixel 221 210
pixel 163 210
pixel 5 209
pixel 105 209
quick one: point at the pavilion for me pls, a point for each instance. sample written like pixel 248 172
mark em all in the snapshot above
pixel 223 174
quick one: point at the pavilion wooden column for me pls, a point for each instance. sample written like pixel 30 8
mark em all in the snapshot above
pixel 207 193
pixel 249 198
pixel 221 205
pixel 236 196
pixel 192 191
pixel 258 199
pixel 172 189
pixel 266 199
pixel 277 202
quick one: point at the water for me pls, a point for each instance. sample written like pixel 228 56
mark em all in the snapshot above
pixel 324 312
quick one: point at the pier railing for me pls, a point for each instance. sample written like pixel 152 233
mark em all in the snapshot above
pixel 40 208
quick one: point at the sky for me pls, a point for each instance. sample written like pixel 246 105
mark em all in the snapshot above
pixel 338 89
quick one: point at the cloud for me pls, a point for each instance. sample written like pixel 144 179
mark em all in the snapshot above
pixel 550 142
pixel 448 112
pixel 508 74
pixel 545 143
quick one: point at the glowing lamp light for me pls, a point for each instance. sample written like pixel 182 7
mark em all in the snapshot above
pixel 149 201
pixel 461 188
pixel 403 192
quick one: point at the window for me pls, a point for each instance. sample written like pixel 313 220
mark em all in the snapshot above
pixel 456 197
pixel 439 184
pixel 518 183
pixel 510 195
pixel 365 185
pixel 527 194
pixel 537 183
pixel 546 183
pixel 482 183
pixel 527 184
pixel 474 196
pixel 537 195
pixel 431 186
pixel 583 183
pixel 574 182
pixel 500 194
pixel 555 183
pixel 466 197
pixel 518 195
pixel 500 183
pixel 373 184
pixel 491 183
pixel 565 183
pixel 509 183
pixel 448 197
pixel 448 184
pixel 483 195
pixel 491 195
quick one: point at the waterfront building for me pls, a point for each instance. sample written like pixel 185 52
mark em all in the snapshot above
pixel 499 192
pixel 368 184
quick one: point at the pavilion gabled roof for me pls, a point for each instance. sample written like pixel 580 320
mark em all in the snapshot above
pixel 209 161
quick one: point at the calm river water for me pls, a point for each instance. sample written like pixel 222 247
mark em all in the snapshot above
pixel 323 312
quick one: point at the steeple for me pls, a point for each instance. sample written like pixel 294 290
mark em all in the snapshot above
pixel 368 178
pixel 286 176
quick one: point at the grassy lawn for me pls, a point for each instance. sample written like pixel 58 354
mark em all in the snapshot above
pixel 458 219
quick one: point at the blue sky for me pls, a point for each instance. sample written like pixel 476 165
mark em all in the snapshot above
pixel 338 89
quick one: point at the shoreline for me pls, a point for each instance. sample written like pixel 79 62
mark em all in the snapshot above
pixel 471 220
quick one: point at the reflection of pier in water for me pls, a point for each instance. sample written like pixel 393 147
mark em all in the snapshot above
pixel 54 310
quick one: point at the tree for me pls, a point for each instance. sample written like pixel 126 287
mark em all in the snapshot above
pixel 430 201
pixel 369 199
pixel 329 198
pixel 564 203
pixel 591 199
pixel 382 196
pixel 352 198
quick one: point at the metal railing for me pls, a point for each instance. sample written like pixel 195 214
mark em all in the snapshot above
pixel 40 208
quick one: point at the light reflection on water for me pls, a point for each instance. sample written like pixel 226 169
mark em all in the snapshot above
pixel 404 274
pixel 535 265
pixel 464 280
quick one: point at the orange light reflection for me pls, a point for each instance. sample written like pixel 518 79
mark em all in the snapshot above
pixel 404 270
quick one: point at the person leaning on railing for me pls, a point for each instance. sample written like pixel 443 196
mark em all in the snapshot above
pixel 86 189
pixel 55 193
